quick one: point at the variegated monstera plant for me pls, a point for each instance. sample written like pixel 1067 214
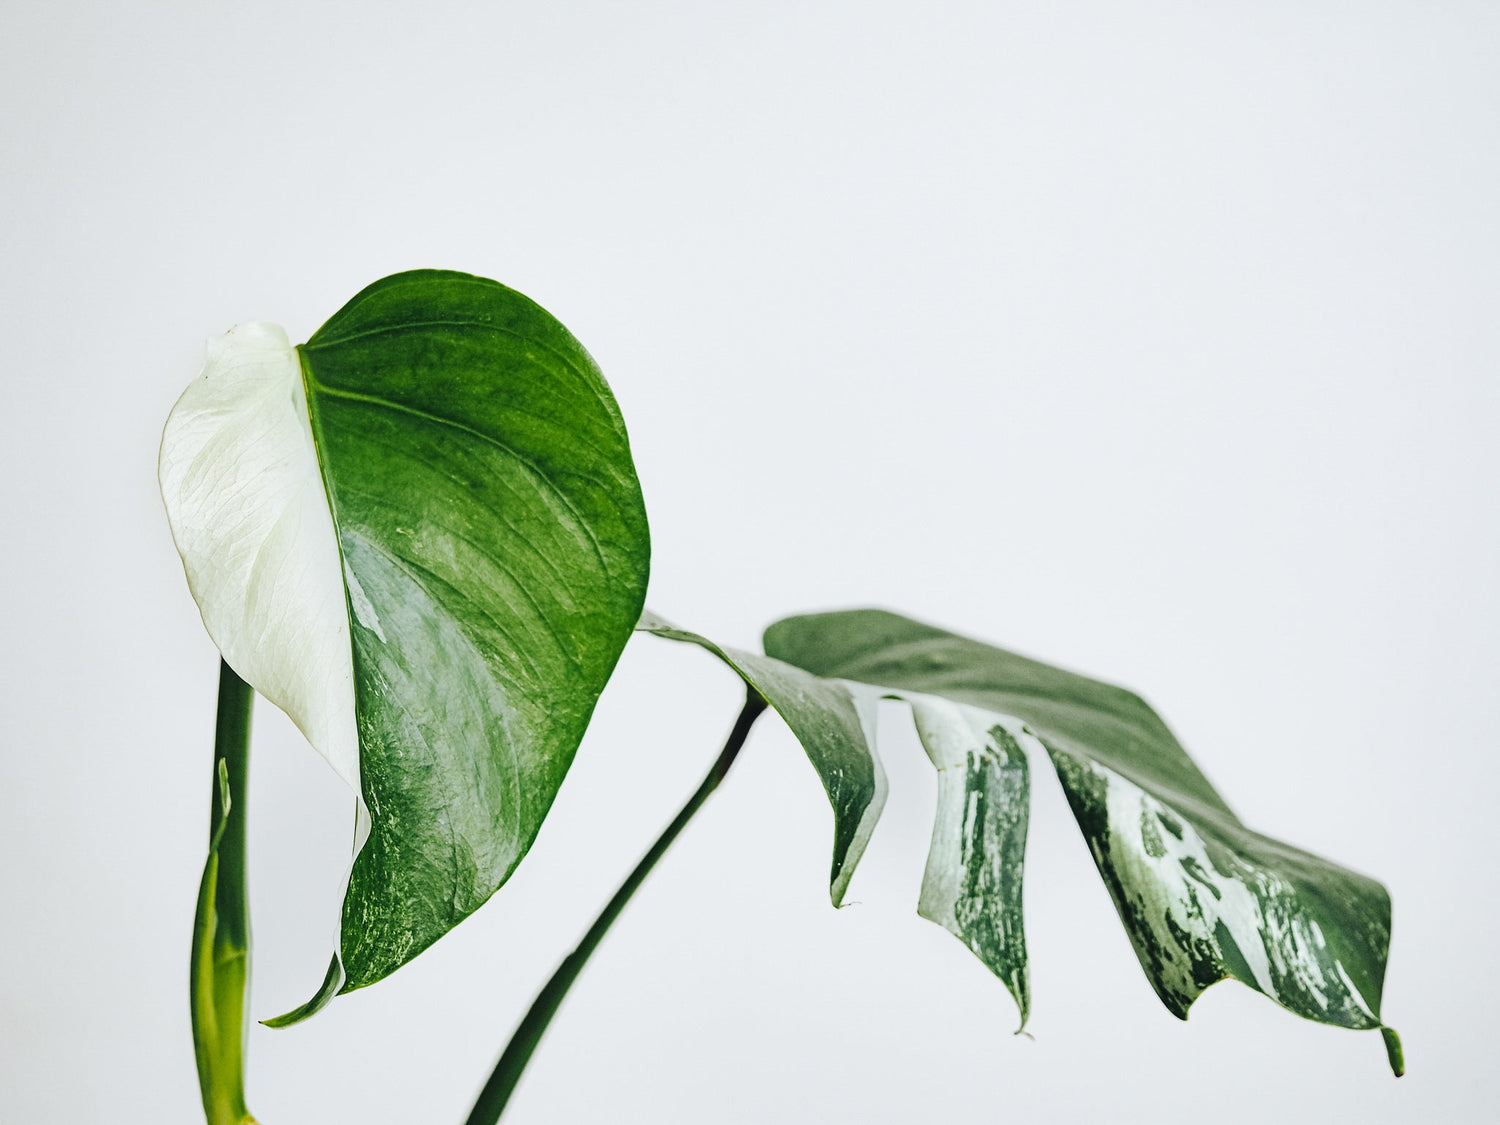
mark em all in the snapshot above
pixel 421 535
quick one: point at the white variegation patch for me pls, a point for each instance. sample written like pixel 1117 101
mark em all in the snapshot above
pixel 950 733
pixel 245 498
pixel 1181 900
pixel 972 882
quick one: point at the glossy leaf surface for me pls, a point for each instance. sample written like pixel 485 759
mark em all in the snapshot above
pixel 420 534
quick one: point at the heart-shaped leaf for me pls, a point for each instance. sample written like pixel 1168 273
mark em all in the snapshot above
pixel 421 535
pixel 1201 896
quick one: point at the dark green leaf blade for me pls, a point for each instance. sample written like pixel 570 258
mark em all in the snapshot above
pixel 495 554
pixel 1111 724
pixel 836 728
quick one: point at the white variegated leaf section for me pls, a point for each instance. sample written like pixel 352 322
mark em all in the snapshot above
pixel 972 883
pixel 952 734
pixel 250 517
pixel 1190 907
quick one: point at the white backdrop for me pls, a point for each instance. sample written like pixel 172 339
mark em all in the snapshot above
pixel 1155 339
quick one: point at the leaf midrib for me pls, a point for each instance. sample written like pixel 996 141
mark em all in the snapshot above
pixel 438 420
pixel 484 326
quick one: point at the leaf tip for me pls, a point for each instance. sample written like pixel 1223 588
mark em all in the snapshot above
pixel 1024 1005
pixel 838 884
pixel 1393 1052
pixel 333 980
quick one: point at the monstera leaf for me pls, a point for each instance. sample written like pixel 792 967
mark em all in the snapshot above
pixel 1201 896
pixel 420 534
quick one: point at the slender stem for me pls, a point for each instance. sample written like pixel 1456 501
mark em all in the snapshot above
pixel 220 963
pixel 497 1091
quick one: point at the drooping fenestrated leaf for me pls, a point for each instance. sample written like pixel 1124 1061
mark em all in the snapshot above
pixel 973 879
pixel 1201 896
pixel 421 535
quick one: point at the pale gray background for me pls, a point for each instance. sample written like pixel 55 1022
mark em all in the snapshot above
pixel 1157 339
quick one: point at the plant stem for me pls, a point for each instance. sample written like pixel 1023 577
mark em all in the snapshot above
pixel 502 1083
pixel 220 963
